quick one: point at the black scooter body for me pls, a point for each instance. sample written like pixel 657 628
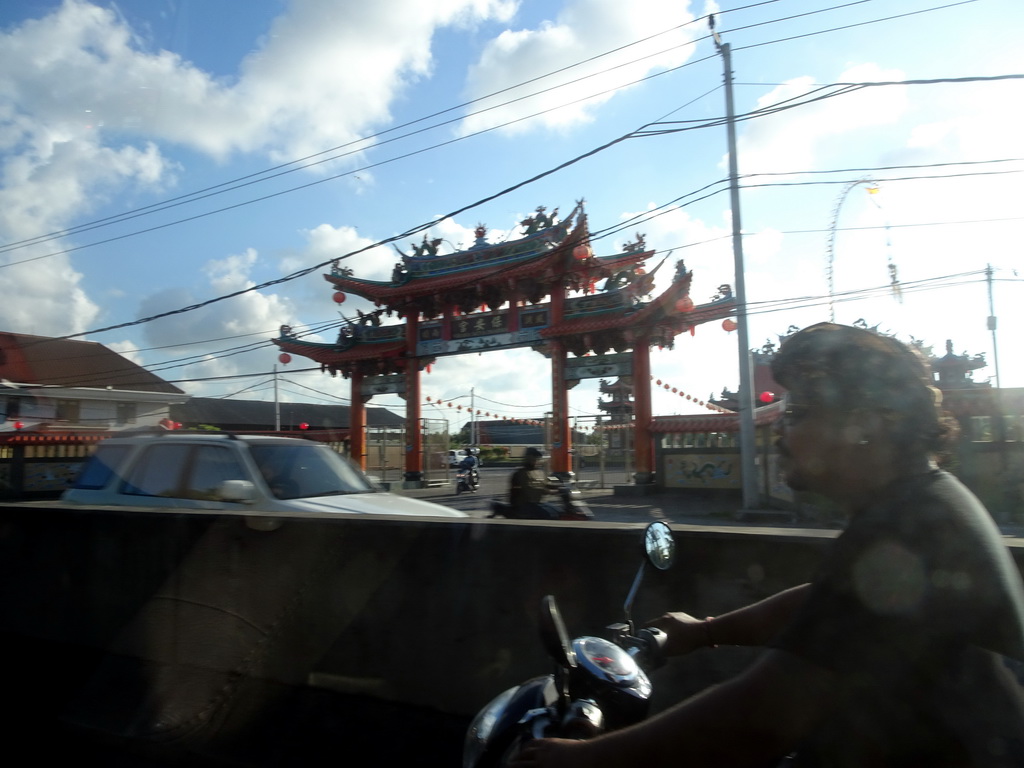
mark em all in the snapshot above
pixel 571 508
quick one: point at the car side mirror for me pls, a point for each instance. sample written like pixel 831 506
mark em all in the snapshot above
pixel 241 491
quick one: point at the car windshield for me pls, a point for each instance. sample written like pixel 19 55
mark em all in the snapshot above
pixel 301 471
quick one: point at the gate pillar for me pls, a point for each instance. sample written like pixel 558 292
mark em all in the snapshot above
pixel 561 435
pixel 413 407
pixel 644 450
pixel 357 421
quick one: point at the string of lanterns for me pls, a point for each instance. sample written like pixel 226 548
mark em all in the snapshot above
pixel 477 412
pixel 677 391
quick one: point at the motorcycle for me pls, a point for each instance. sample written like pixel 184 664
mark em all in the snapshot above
pixel 597 684
pixel 466 480
pixel 572 506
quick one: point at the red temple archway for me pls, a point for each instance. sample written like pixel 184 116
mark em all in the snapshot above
pixel 508 295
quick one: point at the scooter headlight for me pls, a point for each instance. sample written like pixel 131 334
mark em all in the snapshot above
pixel 482 727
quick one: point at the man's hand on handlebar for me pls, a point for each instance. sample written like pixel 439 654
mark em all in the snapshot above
pixel 685 633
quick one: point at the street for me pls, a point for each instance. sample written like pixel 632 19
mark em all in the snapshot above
pixel 670 506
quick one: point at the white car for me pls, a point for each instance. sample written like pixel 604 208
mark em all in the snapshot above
pixel 455 457
pixel 250 475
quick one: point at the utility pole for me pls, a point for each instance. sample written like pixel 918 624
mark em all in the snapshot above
pixel 277 404
pixel 472 417
pixel 748 451
pixel 992 323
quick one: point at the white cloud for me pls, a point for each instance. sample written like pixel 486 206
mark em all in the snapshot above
pixel 88 111
pixel 45 302
pixel 582 29
pixel 797 137
pixel 250 317
pixel 325 75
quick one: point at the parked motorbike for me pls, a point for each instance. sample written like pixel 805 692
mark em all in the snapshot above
pixel 466 480
pixel 597 685
pixel 570 507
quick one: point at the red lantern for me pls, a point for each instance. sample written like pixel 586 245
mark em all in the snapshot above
pixel 729 324
pixel 284 358
pixel 581 252
pixel 685 304
pixel 303 425
pixel 767 397
pixel 19 425
pixel 339 297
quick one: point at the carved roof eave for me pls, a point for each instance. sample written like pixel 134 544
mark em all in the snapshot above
pixel 384 293
pixel 612 264
pixel 335 355
pixel 499 271
pixel 659 312
pixel 607 332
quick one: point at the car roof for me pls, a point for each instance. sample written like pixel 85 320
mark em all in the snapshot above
pixel 173 436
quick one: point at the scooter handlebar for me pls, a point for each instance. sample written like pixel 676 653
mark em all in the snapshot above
pixel 647 646
pixel 652 646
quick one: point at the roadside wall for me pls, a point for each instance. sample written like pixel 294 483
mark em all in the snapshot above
pixel 181 628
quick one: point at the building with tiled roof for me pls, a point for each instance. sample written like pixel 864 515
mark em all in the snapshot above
pixel 49 384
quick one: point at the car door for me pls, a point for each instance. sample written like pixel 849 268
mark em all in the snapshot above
pixel 182 476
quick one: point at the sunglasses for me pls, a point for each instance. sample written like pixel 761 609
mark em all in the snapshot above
pixel 794 413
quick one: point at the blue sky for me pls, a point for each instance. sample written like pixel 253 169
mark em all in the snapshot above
pixel 407 110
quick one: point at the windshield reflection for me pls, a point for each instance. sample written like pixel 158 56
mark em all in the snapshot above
pixel 302 471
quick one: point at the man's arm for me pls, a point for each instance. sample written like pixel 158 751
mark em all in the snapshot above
pixel 754 624
pixel 757 717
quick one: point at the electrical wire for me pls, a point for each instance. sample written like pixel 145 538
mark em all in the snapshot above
pixel 416 230
pixel 295 165
pixel 229 186
pixel 629 223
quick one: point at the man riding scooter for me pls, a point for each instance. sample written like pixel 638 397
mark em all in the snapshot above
pixel 529 485
pixel 472 475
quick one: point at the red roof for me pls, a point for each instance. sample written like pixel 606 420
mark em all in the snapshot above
pixel 45 361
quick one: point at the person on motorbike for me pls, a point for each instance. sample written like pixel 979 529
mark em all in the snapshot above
pixel 468 464
pixel 528 487
pixel 907 647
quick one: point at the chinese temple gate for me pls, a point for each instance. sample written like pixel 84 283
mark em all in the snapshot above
pixel 495 296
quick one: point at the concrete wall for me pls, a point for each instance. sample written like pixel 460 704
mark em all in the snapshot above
pixel 185 630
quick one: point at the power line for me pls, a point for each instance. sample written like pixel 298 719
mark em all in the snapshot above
pixel 858 24
pixel 634 221
pixel 294 165
pixel 425 226
pixel 255 177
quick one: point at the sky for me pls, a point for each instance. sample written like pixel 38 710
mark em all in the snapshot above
pixel 174 173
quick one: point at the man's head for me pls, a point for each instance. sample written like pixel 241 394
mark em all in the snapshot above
pixel 863 391
pixel 531 456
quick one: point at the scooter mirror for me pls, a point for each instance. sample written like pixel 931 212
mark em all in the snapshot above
pixel 660 546
pixel 553 634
